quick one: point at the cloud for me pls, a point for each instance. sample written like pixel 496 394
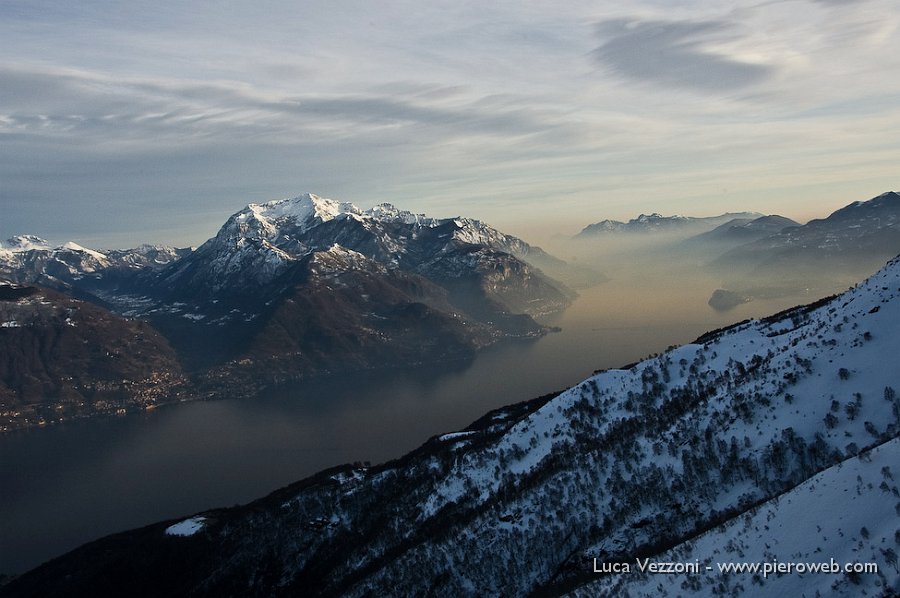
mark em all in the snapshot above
pixel 674 53
pixel 153 110
pixel 125 122
pixel 118 146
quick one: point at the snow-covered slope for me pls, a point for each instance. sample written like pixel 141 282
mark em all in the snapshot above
pixel 699 454
pixel 839 517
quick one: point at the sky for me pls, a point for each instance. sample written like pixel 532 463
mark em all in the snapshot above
pixel 127 122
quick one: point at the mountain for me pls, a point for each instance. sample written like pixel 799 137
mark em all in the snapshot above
pixel 744 230
pixel 310 286
pixel 152 257
pixel 292 269
pixel 773 440
pixel 657 223
pixel 258 244
pixel 851 241
pixel 820 257
pixel 62 358
pixel 705 247
pixel 27 259
pixel 338 311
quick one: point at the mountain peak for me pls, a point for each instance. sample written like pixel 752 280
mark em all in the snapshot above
pixel 653 216
pixel 26 243
pixel 388 212
pixel 301 209
pixel 885 205
pixel 72 246
pixel 887 198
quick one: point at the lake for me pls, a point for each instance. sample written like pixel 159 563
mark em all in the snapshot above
pixel 70 483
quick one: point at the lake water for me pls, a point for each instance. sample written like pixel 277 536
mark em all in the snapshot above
pixel 67 484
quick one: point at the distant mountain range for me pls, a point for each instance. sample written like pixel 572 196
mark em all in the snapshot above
pixel 818 257
pixel 28 259
pixel 657 223
pixel 744 230
pixel 309 286
pixel 771 441
pixel 761 256
pixel 304 286
pixel 862 234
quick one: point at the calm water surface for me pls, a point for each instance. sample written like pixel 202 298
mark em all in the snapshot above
pixel 64 485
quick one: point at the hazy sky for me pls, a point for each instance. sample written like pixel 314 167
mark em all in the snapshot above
pixel 125 122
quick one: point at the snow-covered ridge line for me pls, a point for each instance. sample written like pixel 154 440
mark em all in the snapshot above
pixel 309 210
pixel 779 375
pixel 264 240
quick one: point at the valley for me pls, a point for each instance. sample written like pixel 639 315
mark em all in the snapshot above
pixel 630 462
pixel 119 472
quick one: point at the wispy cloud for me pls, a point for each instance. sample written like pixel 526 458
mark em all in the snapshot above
pixel 87 104
pixel 675 53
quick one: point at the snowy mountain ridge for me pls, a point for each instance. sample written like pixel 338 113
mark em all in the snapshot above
pixel 25 243
pixel 265 246
pixel 28 259
pixel 258 243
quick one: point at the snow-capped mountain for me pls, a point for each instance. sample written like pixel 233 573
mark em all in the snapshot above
pixel 149 257
pixel 24 243
pixel 771 440
pixel 309 285
pixel 271 258
pixel 30 259
pixel 262 241
pixel 657 223
pixel 27 259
